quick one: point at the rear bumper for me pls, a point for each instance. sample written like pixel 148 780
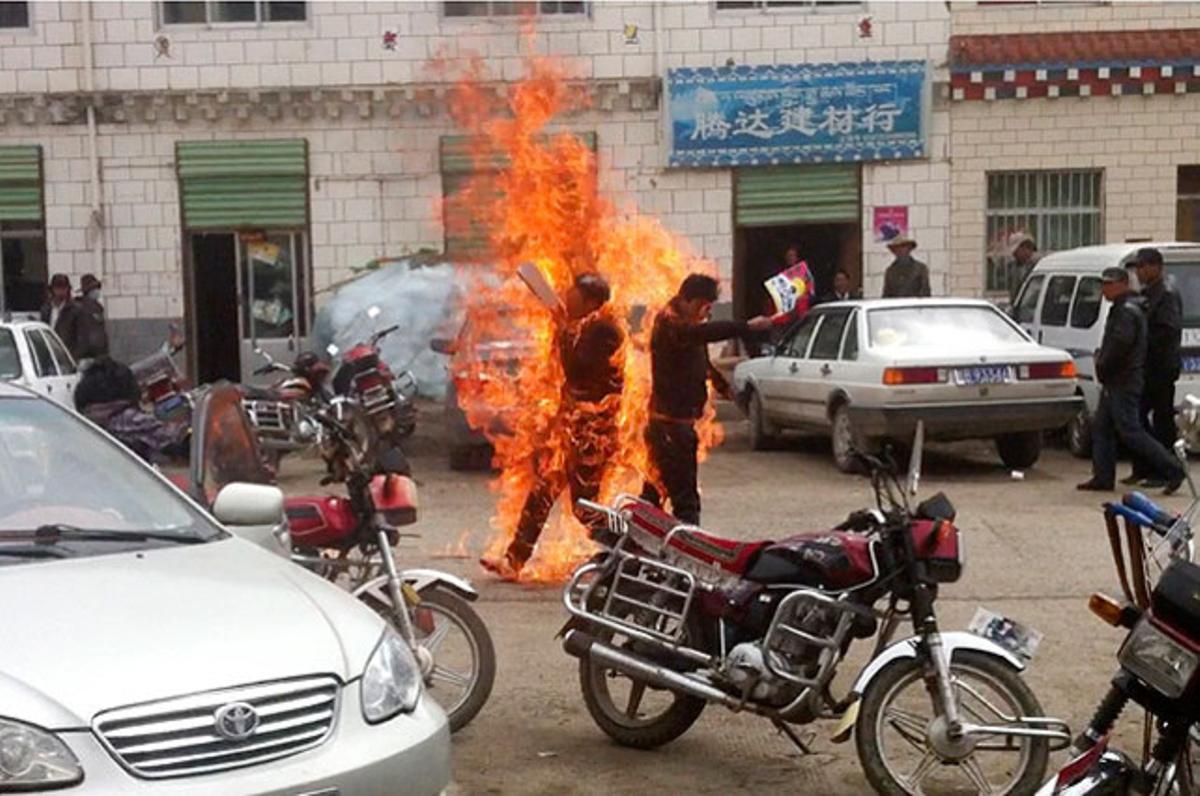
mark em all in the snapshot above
pixel 965 421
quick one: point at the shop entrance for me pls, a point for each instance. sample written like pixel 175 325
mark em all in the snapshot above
pixel 248 293
pixel 815 208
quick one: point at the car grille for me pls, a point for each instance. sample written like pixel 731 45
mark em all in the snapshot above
pixel 179 737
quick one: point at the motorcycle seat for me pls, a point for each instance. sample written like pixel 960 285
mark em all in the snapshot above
pixel 253 393
pixel 656 530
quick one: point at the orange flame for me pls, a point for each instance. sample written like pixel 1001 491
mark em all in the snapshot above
pixel 544 207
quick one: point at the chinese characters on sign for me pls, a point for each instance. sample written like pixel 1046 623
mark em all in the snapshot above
pixel 827 113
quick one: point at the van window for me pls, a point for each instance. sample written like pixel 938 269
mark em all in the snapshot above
pixel 1186 277
pixel 1086 308
pixel 798 343
pixel 1057 304
pixel 1027 304
pixel 850 344
pixel 829 338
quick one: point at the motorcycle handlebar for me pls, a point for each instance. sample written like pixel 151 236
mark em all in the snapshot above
pixel 382 333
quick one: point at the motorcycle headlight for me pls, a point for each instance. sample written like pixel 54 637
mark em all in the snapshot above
pixel 33 759
pixel 391 683
pixel 1158 660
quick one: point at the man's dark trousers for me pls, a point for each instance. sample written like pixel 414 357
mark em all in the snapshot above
pixel 1118 417
pixel 673 450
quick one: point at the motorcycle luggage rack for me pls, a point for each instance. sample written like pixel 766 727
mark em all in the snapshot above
pixel 659 593
pixel 270 416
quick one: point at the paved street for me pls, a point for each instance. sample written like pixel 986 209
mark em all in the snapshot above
pixel 1035 550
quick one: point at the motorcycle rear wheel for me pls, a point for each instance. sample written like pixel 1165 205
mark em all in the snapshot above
pixel 628 726
pixel 975 675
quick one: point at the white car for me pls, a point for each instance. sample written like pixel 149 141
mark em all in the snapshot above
pixel 147 650
pixel 31 354
pixel 866 371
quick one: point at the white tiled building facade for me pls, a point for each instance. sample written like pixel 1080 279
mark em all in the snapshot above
pixel 373 117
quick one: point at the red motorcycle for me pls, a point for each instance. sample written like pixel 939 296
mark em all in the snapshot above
pixel 281 413
pixel 364 376
pixel 163 387
pixel 670 618
pixel 349 540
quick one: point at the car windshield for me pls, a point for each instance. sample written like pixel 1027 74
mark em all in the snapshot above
pixel 56 470
pixel 10 360
pixel 956 327
pixel 1187 281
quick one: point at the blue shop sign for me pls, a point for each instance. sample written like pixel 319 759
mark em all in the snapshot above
pixel 815 113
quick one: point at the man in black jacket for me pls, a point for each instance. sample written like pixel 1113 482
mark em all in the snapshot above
pixel 1164 322
pixel 1120 369
pixel 60 313
pixel 681 371
pixel 590 344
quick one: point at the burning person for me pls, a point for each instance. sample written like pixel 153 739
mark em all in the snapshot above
pixel 681 371
pixel 590 345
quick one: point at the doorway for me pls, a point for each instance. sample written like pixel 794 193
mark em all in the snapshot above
pixel 759 255
pixel 214 312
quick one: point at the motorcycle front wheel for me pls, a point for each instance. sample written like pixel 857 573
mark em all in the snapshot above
pixel 897 721
pixel 463 657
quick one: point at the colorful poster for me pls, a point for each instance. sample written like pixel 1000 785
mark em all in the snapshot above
pixel 889 222
pixel 790 288
pixel 811 113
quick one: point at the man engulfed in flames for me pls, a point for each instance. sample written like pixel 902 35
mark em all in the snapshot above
pixel 543 207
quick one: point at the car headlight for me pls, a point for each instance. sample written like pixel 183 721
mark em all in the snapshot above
pixel 1156 659
pixel 391 683
pixel 33 759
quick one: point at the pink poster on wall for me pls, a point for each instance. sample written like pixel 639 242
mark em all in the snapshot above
pixel 890 221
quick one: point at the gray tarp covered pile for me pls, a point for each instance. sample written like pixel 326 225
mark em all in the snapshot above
pixel 423 297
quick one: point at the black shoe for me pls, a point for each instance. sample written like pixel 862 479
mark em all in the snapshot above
pixel 1091 485
pixel 1173 485
pixel 1153 482
pixel 1131 479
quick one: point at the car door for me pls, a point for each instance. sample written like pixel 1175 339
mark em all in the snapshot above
pixel 777 386
pixel 1056 310
pixel 68 371
pixel 45 378
pixel 820 371
pixel 1025 313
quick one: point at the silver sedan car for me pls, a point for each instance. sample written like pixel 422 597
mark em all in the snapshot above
pixel 145 649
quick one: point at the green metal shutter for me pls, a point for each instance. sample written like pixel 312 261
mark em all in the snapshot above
pixel 796 195
pixel 237 184
pixel 468 239
pixel 21 183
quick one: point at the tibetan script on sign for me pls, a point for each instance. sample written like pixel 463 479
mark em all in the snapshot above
pixel 825 113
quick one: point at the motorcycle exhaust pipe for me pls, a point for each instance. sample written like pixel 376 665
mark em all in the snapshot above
pixel 582 645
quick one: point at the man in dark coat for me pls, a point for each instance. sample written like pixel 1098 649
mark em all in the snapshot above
pixel 906 277
pixel 1164 322
pixel 60 313
pixel 590 345
pixel 1120 369
pixel 681 372
pixel 842 290
pixel 91 325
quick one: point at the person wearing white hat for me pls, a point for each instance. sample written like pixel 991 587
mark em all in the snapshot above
pixel 906 277
pixel 1023 250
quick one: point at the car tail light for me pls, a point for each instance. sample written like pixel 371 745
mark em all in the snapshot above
pixel 1047 370
pixel 896 376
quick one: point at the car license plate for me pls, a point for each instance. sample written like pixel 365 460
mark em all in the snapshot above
pixel 1191 364
pixel 983 374
pixel 1021 640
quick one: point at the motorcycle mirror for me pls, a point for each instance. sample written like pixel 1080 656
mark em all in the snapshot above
pixel 373 312
pixel 914 462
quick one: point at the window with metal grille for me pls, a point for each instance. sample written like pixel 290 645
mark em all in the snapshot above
pixel 1058 209
pixel 507 8
pixel 220 12
pixel 771 5
pixel 14 15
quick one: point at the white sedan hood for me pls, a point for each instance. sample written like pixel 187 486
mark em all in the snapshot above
pixel 79 636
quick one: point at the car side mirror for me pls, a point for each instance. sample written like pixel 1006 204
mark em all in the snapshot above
pixel 240 504
pixel 443 346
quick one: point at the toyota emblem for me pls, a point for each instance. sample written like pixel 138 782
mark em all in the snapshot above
pixel 236 721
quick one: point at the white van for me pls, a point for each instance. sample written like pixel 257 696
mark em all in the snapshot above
pixel 1060 304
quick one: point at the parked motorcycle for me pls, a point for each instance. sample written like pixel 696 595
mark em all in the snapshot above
pixel 164 389
pixel 1157 664
pixel 364 376
pixel 349 540
pixel 281 413
pixel 669 618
